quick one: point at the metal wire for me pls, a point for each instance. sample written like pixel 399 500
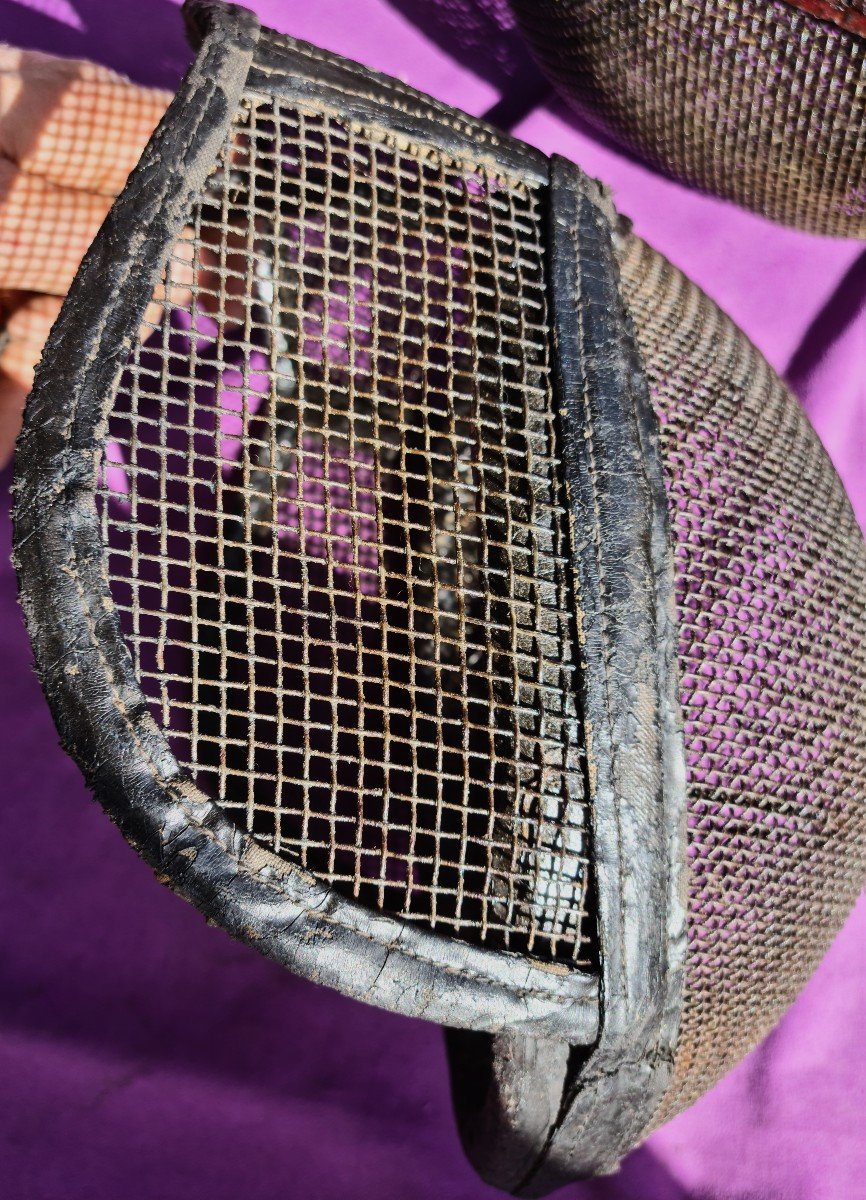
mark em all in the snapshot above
pixel 771 580
pixel 754 100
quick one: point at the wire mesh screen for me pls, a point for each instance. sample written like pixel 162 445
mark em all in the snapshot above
pixel 754 100
pixel 771 593
pixel 334 531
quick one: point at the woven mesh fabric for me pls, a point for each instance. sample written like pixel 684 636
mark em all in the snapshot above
pixel 754 100
pixel 771 595
pixel 335 533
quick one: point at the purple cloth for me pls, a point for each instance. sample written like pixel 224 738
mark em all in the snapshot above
pixel 144 1054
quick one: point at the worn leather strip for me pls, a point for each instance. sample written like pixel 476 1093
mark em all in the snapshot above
pixel 624 572
pixel 304 73
pixel 535 1113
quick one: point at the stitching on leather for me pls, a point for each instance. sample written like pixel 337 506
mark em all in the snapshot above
pixel 401 95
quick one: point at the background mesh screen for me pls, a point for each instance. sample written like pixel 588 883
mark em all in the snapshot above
pixel 334 531
pixel 754 100
pixel 771 594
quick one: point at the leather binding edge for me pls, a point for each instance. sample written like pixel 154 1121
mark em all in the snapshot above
pixel 536 1113
pixel 306 74
pixel 625 586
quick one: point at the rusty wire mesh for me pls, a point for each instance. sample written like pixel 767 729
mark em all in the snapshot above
pixel 754 100
pixel 771 594
pixel 334 532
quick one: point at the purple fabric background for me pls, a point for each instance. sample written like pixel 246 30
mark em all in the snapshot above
pixel 144 1055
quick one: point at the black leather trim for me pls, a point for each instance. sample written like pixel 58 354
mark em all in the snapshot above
pixel 547 1113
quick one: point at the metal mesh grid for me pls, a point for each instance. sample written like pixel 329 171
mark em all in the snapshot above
pixel 771 594
pixel 754 100
pixel 334 532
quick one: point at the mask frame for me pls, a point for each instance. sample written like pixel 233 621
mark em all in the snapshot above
pixel 574 1062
